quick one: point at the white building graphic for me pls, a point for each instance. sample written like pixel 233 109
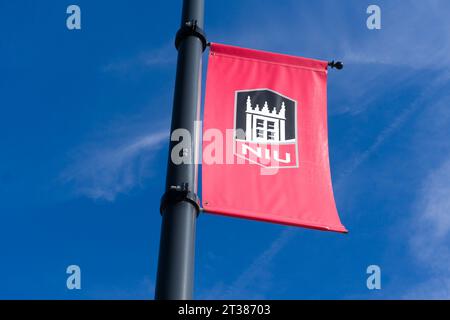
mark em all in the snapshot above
pixel 265 126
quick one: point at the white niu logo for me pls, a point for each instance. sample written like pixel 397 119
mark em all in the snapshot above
pixel 266 128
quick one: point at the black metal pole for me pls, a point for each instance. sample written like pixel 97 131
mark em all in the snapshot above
pixel 179 205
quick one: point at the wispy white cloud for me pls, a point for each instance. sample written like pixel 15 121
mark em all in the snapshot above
pixel 103 171
pixel 433 220
pixel 257 274
pixel 430 236
pixel 427 227
pixel 162 56
pixel 436 288
pixel 141 290
pixel 407 38
pixel 394 125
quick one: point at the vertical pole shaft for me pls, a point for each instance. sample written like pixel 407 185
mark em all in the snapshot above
pixel 175 275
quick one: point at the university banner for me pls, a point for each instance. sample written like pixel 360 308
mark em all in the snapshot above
pixel 265 143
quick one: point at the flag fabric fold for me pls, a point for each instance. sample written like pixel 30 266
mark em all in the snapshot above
pixel 265 139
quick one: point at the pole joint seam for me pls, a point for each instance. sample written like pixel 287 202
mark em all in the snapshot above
pixel 177 194
pixel 190 28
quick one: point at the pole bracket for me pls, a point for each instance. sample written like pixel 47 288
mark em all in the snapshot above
pixel 336 64
pixel 177 194
pixel 190 28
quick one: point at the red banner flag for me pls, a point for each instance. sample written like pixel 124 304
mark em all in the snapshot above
pixel 265 144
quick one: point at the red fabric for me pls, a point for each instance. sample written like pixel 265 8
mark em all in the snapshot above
pixel 299 196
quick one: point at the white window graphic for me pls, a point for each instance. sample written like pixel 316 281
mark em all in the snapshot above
pixel 263 125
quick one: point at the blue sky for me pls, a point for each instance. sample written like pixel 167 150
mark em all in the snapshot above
pixel 83 133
